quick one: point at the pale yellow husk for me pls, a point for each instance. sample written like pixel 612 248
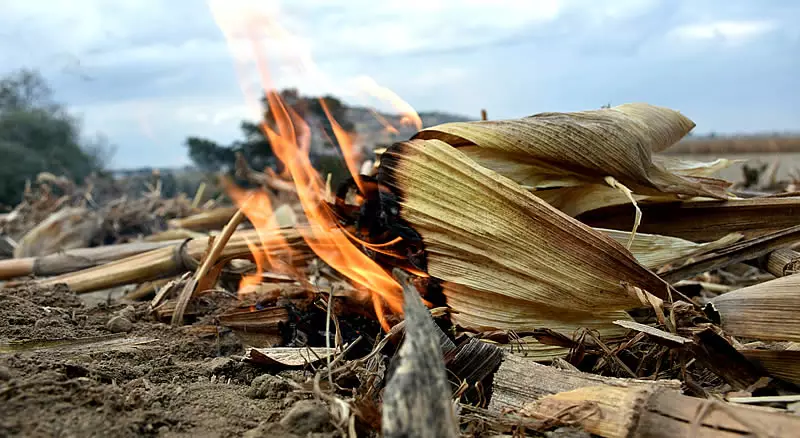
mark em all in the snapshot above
pixel 486 311
pixel 767 311
pixel 653 250
pixel 567 149
pixel 483 231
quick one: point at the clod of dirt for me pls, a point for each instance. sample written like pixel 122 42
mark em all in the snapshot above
pixel 128 312
pixel 269 386
pixel 119 324
pixel 307 416
pixel 218 365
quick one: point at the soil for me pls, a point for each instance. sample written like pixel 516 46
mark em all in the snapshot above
pixel 73 370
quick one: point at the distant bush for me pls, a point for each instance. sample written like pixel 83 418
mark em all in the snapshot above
pixel 40 135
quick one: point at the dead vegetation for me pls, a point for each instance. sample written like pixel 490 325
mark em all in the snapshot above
pixel 574 278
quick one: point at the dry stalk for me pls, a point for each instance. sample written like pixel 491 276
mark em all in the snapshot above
pixel 219 243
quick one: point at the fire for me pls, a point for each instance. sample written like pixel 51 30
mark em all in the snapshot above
pixel 409 116
pixel 257 207
pixel 290 140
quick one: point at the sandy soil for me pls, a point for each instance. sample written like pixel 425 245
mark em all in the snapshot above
pixel 69 370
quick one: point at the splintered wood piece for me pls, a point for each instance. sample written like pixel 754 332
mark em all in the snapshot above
pixel 417 400
pixel 613 407
pixel 702 220
pixel 520 381
pixel 718 355
pixel 483 231
pixel 766 311
pixel 288 356
pixel 621 412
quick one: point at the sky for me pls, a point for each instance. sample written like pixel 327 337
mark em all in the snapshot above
pixel 148 73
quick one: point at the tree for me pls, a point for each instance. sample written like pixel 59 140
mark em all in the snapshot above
pixel 212 156
pixel 38 134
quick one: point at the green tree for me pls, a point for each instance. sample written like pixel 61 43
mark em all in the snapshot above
pixel 38 134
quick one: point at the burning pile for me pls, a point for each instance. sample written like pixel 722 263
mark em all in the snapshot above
pixel 494 225
pixel 560 238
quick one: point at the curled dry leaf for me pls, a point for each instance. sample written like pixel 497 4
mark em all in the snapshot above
pixel 568 149
pixel 483 231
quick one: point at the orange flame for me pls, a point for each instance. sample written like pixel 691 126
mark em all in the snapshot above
pixel 258 209
pixel 290 141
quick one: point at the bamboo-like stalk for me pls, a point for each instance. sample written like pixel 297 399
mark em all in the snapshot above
pixel 75 259
pixel 783 262
pixel 207 220
pixel 169 261
pixel 208 262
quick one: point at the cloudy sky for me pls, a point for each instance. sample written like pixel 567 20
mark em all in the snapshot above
pixel 148 73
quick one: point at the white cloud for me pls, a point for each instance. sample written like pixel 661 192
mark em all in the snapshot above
pixel 159 71
pixel 726 31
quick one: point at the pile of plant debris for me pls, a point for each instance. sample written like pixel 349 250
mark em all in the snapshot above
pixel 555 274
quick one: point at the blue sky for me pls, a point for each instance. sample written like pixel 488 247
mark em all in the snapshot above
pixel 148 73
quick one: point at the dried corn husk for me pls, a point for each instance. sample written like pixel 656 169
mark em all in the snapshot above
pixel 578 199
pixel 530 348
pixel 782 362
pixel 653 251
pixel 702 220
pixel 483 231
pixel 470 310
pixel 568 149
pixel 694 168
pixel 768 311
pixel 68 228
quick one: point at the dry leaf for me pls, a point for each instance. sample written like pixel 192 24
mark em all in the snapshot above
pixel 505 313
pixel 567 149
pixel 769 310
pixel 654 251
pixel 483 231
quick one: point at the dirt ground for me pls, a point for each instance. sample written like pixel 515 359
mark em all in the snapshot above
pixel 72 370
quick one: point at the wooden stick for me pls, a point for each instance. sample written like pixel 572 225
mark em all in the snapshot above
pixel 208 262
pixel 416 401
